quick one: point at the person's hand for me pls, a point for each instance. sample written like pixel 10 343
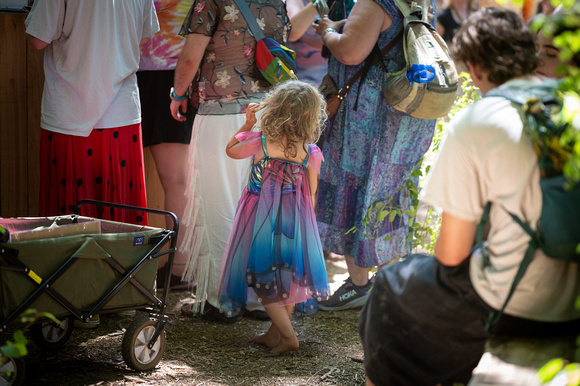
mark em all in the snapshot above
pixel 251 114
pixel 174 107
pixel 325 23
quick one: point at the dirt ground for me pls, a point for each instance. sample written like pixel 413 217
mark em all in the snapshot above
pixel 200 352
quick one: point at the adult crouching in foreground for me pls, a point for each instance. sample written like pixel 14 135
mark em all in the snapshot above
pixel 424 322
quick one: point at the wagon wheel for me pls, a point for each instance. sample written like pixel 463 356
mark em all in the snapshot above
pixel 11 371
pixel 135 351
pixel 50 335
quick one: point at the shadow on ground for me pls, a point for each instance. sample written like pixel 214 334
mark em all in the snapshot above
pixel 200 352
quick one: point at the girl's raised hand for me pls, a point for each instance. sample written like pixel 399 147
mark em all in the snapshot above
pixel 251 114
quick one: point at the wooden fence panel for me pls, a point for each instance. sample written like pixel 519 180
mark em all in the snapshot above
pixel 21 84
pixel 13 117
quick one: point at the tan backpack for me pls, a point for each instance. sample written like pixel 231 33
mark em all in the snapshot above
pixel 427 86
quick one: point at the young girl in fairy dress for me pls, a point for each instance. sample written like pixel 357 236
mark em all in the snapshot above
pixel 273 256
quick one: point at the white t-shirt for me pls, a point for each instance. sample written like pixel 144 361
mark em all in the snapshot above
pixel 488 157
pixel 91 61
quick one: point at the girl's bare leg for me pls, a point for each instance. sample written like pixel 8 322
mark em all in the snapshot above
pixel 281 319
pixel 272 337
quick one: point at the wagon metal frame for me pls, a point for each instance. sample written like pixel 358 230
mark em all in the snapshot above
pixel 144 340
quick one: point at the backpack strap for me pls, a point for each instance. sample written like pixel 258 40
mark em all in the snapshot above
pixel 534 243
pixel 375 53
pixel 250 19
pixel 479 234
pixel 375 56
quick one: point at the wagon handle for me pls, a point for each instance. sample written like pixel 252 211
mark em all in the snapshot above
pixel 129 207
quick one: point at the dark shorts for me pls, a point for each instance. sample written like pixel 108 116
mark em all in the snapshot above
pixel 423 324
pixel 157 123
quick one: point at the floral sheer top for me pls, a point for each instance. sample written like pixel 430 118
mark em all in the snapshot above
pixel 228 69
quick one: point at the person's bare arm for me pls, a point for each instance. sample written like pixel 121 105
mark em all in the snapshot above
pixel 313 183
pixel 37 43
pixel 233 148
pixel 301 16
pixel 185 70
pixel 361 31
pixel 455 240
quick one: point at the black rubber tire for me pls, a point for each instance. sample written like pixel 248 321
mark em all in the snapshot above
pixel 134 349
pixel 48 335
pixel 16 368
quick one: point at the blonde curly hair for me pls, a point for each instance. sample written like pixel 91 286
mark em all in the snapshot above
pixel 294 112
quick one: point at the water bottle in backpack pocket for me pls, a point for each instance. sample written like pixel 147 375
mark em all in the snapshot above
pixel 427 86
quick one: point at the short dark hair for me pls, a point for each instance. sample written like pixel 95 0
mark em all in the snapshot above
pixel 499 41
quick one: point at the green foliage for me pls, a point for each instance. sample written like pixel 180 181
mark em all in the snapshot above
pixel 469 94
pixel 426 224
pixel 564 27
pixel 17 348
pixel 565 30
pixel 547 372
pixel 567 373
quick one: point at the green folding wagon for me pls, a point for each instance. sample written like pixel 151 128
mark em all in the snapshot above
pixel 77 267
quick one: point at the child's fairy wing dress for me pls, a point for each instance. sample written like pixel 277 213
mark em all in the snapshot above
pixel 273 256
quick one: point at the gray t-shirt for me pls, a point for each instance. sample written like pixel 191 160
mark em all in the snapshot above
pixel 91 61
pixel 488 157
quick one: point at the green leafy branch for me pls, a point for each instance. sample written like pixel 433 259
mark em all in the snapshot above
pixel 17 347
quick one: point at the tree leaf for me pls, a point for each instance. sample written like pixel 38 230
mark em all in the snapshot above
pixel 381 214
pixel 49 316
pixel 19 338
pixel 10 351
pixel 550 369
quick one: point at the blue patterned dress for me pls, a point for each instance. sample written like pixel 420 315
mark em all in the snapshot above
pixel 369 154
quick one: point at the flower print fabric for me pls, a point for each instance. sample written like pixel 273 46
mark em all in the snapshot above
pixel 199 7
pixel 228 69
pixel 160 51
pixel 231 13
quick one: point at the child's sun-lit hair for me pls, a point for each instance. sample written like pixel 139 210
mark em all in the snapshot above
pixel 294 112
